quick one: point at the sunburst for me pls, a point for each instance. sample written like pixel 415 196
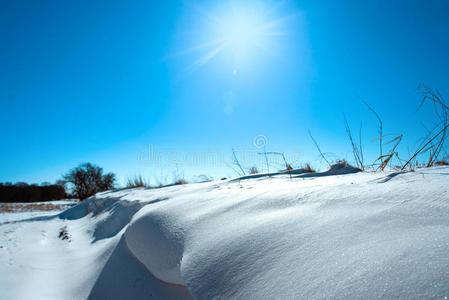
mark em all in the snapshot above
pixel 243 33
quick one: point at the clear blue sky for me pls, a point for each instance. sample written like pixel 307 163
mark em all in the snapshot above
pixel 105 81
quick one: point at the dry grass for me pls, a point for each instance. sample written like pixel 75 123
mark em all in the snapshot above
pixel 433 143
pixel 342 162
pixel 25 207
pixel 180 181
pixel 385 159
pixel 309 169
pixel 380 127
pixel 253 170
pixel 137 181
pixel 318 148
pixel 356 149
pixel 442 162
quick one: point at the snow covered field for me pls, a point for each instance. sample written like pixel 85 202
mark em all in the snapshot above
pixel 10 212
pixel 336 234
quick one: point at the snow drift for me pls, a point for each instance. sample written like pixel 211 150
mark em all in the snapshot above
pixel 337 234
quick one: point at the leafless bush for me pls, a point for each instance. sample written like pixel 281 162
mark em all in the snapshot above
pixel 88 179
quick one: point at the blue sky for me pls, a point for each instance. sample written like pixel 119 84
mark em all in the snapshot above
pixel 126 85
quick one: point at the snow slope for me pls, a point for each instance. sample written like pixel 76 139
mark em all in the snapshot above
pixel 337 234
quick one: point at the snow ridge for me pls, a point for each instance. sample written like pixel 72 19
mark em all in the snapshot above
pixel 157 243
pixel 338 234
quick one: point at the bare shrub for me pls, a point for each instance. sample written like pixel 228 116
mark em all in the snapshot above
pixel 88 179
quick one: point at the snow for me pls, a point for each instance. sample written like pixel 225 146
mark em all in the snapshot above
pixel 338 234
pixel 18 216
pixel 25 210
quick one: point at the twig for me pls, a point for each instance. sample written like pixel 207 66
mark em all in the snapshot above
pixel 355 150
pixel 380 124
pixel 236 161
pixel 231 167
pixel 428 142
pixel 266 160
pixel 283 157
pixel 360 144
pixel 318 147
pixel 435 97
pixel 389 156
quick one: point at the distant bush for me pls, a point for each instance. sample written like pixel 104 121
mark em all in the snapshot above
pixel 88 179
pixel 22 192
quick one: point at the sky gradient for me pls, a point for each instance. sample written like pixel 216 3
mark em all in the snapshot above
pixel 136 87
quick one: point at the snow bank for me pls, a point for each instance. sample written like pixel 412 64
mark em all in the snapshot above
pixel 351 236
pixel 315 236
pixel 157 242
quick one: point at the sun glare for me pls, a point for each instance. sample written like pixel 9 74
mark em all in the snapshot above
pixel 242 32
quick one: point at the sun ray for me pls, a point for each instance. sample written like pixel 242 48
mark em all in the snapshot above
pixel 278 21
pixel 272 8
pixel 211 18
pixel 205 58
pixel 196 48
pixel 274 33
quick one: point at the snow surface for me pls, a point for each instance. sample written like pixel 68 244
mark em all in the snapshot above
pixel 336 234
pixel 25 211
pixel 18 216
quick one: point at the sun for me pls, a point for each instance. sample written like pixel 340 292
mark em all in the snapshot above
pixel 242 33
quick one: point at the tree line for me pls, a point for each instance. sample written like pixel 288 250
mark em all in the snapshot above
pixel 23 192
pixel 81 182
